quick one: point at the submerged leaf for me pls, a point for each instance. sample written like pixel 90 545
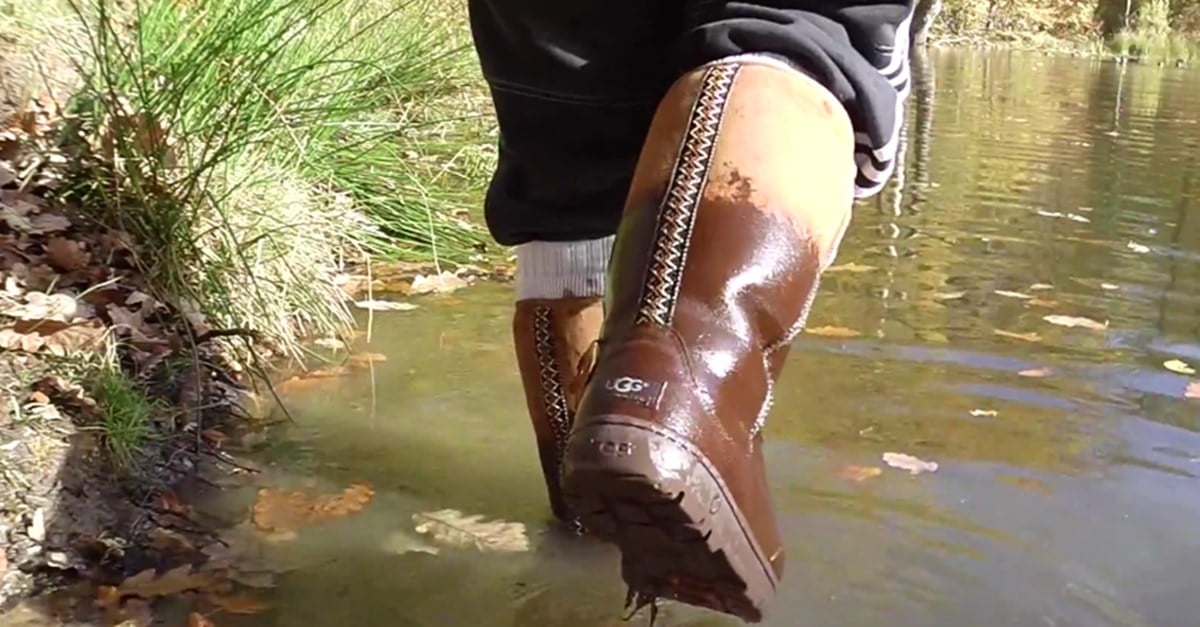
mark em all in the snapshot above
pixel 908 462
pixel 860 473
pixel 940 296
pixel 828 331
pixel 1027 337
pixel 276 511
pixel 1035 372
pixel 1075 321
pixel 851 267
pixel 1178 366
pixel 148 584
pixel 400 542
pixel 384 305
pixel 363 360
pixel 1192 390
pixel 1010 294
pixel 443 283
pixel 453 528
pixel 239 603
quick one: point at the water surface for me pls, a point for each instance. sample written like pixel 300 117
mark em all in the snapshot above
pixel 1032 186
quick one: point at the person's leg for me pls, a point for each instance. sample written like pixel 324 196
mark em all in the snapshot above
pixel 574 85
pixel 783 113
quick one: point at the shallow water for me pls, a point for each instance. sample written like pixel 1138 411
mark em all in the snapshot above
pixel 1067 499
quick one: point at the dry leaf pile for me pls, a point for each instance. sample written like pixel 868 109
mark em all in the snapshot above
pixel 71 288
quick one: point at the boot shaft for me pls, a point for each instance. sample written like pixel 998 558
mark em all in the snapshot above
pixel 729 221
pixel 551 338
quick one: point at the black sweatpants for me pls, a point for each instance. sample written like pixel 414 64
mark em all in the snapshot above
pixel 575 84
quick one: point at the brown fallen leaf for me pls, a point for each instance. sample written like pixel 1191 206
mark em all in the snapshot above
pixel 309 380
pixel 351 501
pixel 39 306
pixel 239 603
pixel 1027 337
pixel 280 511
pixel 57 338
pixel 148 584
pixel 860 473
pixel 196 619
pixel 170 503
pixel 1075 321
pixel 39 397
pixel 107 597
pixel 65 255
pixel 1043 303
pixel 828 331
pixel 361 360
pixel 213 437
pixel 43 223
pixel 455 529
pixel 132 613
pixel 170 541
pixel 276 511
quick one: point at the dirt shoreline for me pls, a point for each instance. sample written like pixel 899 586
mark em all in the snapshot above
pixel 78 527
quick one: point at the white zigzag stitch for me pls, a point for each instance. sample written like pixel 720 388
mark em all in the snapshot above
pixel 677 214
pixel 550 378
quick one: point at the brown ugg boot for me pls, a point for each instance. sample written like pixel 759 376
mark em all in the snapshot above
pixel 741 195
pixel 551 337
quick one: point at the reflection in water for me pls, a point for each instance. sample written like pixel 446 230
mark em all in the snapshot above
pixel 1066 494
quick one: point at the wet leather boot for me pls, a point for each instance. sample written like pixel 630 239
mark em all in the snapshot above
pixel 551 337
pixel 742 192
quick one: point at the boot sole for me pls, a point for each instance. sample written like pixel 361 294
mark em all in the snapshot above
pixel 666 508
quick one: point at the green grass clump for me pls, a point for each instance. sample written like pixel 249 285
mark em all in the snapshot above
pixel 126 415
pixel 251 146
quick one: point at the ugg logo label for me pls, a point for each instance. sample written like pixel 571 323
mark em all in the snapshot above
pixel 625 385
pixel 640 391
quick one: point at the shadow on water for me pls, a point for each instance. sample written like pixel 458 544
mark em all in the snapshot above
pixel 1066 493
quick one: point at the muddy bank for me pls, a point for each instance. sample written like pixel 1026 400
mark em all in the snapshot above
pixel 113 399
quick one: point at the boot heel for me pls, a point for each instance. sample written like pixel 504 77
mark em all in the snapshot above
pixel 660 500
